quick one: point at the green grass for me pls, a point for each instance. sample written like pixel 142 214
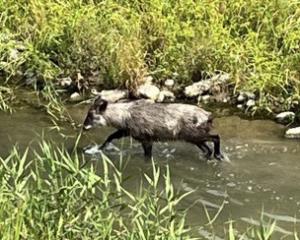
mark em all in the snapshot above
pixel 51 193
pixel 121 41
pixel 6 97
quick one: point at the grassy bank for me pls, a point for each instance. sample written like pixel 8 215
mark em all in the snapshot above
pixel 117 42
pixel 53 194
pixel 6 96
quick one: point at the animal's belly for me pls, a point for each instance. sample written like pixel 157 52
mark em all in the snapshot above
pixel 155 132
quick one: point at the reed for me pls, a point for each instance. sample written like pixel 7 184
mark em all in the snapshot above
pixel 6 97
pixel 52 193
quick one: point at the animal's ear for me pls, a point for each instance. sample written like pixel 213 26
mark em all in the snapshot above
pixel 100 105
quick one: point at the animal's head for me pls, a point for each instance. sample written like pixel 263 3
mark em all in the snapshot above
pixel 95 114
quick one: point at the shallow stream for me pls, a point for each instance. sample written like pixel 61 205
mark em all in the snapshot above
pixel 262 176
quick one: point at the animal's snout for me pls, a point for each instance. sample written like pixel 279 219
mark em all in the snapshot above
pixel 87 127
pixel 88 122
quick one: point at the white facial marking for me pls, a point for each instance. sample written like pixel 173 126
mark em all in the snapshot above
pixel 87 127
pixel 100 120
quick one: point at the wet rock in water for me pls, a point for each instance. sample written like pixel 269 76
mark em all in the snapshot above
pixel 113 95
pixel 293 133
pixel 148 90
pixel 166 96
pixel 250 103
pixel 169 83
pixel 285 117
pixel 75 97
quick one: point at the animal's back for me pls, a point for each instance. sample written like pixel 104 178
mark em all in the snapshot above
pixel 167 121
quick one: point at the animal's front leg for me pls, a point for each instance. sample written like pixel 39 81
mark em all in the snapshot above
pixel 147 146
pixel 116 135
pixel 217 149
pixel 205 149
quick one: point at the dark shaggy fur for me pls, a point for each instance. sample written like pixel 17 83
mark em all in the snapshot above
pixel 148 122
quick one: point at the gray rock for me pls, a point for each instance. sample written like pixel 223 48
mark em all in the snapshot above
pixel 160 98
pixel 226 100
pixel 166 96
pixel 75 97
pixel 149 91
pixel 113 95
pixel 285 117
pixel 65 82
pixel 95 92
pixel 175 74
pixel 148 80
pixel 95 78
pixel 198 88
pixel 241 98
pixel 293 133
pixel 205 98
pixel 250 95
pixel 221 78
pixel 240 106
pixel 250 103
pixel 169 83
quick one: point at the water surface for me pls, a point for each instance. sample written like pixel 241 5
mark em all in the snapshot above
pixel 263 174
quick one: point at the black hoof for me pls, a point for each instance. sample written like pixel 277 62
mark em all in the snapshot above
pixel 207 156
pixel 147 158
pixel 219 157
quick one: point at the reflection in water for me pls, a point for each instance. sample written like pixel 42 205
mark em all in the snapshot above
pixel 263 173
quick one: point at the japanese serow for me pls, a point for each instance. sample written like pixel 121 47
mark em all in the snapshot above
pixel 148 122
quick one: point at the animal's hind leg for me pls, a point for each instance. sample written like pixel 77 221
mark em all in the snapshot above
pixel 116 135
pixel 147 146
pixel 205 149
